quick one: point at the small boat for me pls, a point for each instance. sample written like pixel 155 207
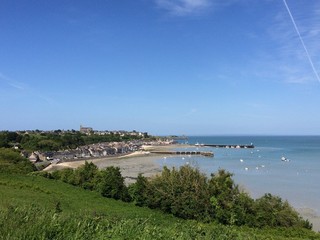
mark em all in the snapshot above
pixel 284 159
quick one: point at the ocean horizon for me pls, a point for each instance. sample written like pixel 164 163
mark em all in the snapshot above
pixel 286 166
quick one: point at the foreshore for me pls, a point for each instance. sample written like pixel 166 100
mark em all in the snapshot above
pixel 131 165
pixel 311 215
pixel 144 162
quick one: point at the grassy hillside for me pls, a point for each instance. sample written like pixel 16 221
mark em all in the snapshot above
pixel 32 207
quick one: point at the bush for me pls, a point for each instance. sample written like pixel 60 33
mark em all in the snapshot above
pixel 138 191
pixel 12 162
pixel 84 176
pixel 183 192
pixel 188 194
pixel 224 194
pixel 110 184
pixel 66 175
pixel 272 211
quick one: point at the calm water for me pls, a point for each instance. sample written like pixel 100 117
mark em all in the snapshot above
pixel 260 170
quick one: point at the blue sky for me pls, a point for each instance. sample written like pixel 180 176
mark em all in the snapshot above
pixel 163 66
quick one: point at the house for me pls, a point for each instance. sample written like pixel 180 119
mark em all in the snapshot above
pixel 33 158
pixel 86 130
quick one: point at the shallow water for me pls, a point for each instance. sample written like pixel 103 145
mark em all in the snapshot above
pixel 260 170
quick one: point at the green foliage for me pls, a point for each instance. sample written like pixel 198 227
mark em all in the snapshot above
pixel 183 192
pixel 110 184
pixel 48 145
pixel 66 175
pixel 28 223
pixel 57 140
pixel 84 176
pixel 272 211
pixel 224 193
pixel 188 194
pixel 242 211
pixel 7 138
pixel 32 207
pixel 138 191
pixel 12 162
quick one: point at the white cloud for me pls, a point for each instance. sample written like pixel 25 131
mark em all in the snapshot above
pixel 184 7
pixel 12 83
pixel 193 7
pixel 20 89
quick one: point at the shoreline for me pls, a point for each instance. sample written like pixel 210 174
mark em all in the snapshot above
pixel 311 215
pixel 131 165
pixel 144 162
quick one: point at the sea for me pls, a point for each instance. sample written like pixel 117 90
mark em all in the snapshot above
pixel 262 169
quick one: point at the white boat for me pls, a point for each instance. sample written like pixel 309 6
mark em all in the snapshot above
pixel 284 159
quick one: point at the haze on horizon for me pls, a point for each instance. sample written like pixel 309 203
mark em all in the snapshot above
pixel 188 67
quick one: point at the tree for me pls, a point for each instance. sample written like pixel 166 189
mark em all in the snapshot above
pixel 110 184
pixel 183 192
pixel 66 175
pixel 138 191
pixel 85 175
pixel 4 143
pixel 223 192
pixel 48 145
pixel 272 211
pixel 12 162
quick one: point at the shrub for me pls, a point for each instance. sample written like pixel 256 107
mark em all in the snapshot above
pixel 272 211
pixel 84 176
pixel 183 192
pixel 188 194
pixel 12 162
pixel 224 194
pixel 110 184
pixel 138 191
pixel 66 175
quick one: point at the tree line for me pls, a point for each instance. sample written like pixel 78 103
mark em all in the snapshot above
pixel 56 140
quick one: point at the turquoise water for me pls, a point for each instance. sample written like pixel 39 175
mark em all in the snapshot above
pixel 260 170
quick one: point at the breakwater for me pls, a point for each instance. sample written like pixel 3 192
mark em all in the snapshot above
pixel 206 154
pixel 227 146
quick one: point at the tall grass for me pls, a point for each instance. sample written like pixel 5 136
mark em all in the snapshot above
pixel 37 223
pixel 36 208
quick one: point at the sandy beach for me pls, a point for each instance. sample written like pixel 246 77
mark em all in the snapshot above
pixel 131 165
pixel 144 162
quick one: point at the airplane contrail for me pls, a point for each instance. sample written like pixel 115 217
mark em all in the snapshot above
pixel 301 40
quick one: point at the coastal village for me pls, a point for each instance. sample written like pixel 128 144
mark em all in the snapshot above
pixel 97 150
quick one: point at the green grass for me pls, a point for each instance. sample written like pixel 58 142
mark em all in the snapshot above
pixel 32 207
pixel 45 193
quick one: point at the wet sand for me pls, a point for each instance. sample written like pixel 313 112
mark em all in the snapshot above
pixel 311 215
pixel 144 162
pixel 131 165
